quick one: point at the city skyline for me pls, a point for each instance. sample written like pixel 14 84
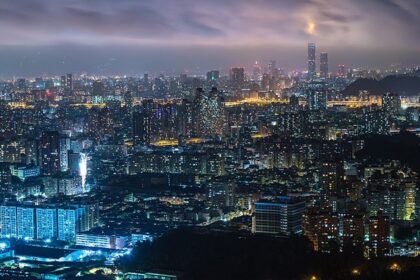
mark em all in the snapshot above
pixel 109 37
pixel 234 139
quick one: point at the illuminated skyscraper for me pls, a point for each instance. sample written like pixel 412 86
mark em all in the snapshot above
pixel 391 104
pixel 63 81
pixel 142 123
pixel 64 148
pixel 50 152
pixel 98 88
pixel 213 76
pixel 25 223
pixel 272 70
pixel 321 227
pixel 341 71
pixel 379 235
pixel 353 233
pixel 237 77
pixel 209 114
pixel 69 82
pixel 311 61
pixel 5 177
pixel 323 68
pixel 8 221
pixel 256 71
pixel 46 223
pixel 316 98
pixel 187 119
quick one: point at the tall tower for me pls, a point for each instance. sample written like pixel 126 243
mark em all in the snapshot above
pixel 50 152
pixel 237 77
pixel 323 68
pixel 209 113
pixel 311 61
pixel 69 82
pixel 142 124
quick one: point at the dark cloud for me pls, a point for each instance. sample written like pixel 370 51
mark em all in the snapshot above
pixel 385 25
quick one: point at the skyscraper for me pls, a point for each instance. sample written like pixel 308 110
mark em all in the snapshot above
pixel 212 76
pixel 379 235
pixel 311 61
pixel 323 68
pixel 69 82
pixel 63 81
pixel 186 125
pixel 209 113
pixel 341 71
pixel 50 152
pixel 5 177
pixel 237 77
pixel 316 99
pixel 391 104
pixel 272 70
pixel 142 123
pixel 256 71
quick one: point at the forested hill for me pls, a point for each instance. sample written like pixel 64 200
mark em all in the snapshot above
pixel 402 84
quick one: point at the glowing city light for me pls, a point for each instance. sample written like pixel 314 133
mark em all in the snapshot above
pixel 310 27
pixel 83 170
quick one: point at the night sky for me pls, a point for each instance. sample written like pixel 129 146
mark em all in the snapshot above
pixel 132 36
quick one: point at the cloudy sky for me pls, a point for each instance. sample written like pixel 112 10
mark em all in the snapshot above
pixel 132 36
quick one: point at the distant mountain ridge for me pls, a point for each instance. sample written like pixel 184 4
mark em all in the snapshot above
pixel 401 84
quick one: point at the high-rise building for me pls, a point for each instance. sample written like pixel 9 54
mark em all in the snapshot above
pixel 50 152
pixel 379 235
pixel 186 122
pixel 209 113
pixel 341 71
pixel 5 177
pixel 237 77
pixel 283 216
pixel 46 223
pixel 311 61
pixel 8 221
pixel 142 123
pixel 64 149
pixel 98 88
pixel 256 71
pixel 316 99
pixel 353 233
pixel 375 122
pixel 25 223
pixel 272 69
pixel 213 76
pixel 391 104
pixel 69 82
pixel 63 81
pixel 323 67
pixel 67 224
pixel 321 227
pixel 331 175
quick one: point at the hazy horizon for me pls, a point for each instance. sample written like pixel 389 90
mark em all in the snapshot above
pixel 132 37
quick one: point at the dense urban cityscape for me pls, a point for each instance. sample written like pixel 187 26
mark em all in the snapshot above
pixel 252 171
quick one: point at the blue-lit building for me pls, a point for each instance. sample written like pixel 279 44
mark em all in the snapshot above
pixel 282 216
pixel 8 221
pixel 25 223
pixel 46 223
pixel 67 223
pixel 24 171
